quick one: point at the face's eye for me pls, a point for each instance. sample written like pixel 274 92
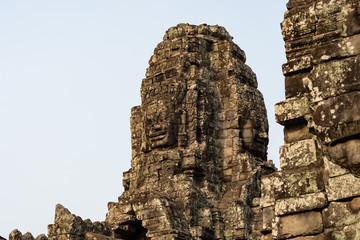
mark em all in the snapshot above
pixel 148 121
pixel 162 117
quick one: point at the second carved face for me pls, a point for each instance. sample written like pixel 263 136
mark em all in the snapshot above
pixel 254 135
pixel 159 123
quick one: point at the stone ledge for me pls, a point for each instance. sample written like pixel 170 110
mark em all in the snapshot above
pixel 306 202
pixel 338 187
pixel 292 109
pixel 340 49
pixel 302 224
pixel 302 63
pixel 340 214
pixel 298 154
pixel 295 184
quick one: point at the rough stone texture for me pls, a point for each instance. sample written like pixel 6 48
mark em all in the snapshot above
pixel 199 166
pixel 340 214
pixel 297 132
pixel 70 226
pixel 351 232
pixel 17 235
pixel 342 187
pixel 301 224
pixel 303 203
pixel 199 142
pixel 41 237
pixel 268 216
pixel 332 169
pixel 96 236
pixel 298 154
pixel 293 184
pixel 292 110
pixel 317 237
pixel 321 116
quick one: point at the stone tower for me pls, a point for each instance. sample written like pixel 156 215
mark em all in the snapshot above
pixel 199 142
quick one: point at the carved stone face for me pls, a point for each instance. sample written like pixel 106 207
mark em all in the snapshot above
pixel 254 134
pixel 159 121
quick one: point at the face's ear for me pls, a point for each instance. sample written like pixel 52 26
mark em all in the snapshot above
pixel 182 130
pixel 145 146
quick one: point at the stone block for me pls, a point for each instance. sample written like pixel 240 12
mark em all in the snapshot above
pixel 267 237
pixel 302 203
pixel 297 3
pixel 302 63
pixel 320 236
pixel 189 162
pixel 257 218
pixel 94 236
pixel 339 214
pixel 268 218
pixel 332 169
pixel 298 22
pixel 329 25
pixel 298 154
pixel 295 184
pixel 199 232
pixel 285 185
pixel 297 132
pixel 292 110
pixel 302 224
pixel 337 118
pixel 354 205
pixel 342 187
pixel 333 78
pixel 40 237
pixel 300 46
pixel 294 85
pixel 267 190
pixel 339 49
pixel 346 154
pixel 326 7
pixel 337 15
pixel 351 232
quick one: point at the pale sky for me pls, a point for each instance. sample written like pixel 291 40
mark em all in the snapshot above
pixel 70 71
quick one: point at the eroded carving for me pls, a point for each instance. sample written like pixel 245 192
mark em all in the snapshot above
pixel 160 125
pixel 201 118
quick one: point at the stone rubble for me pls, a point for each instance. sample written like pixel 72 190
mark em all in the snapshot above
pixel 199 167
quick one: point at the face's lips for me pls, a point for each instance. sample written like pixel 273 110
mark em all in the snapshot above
pixel 157 135
pixel 262 141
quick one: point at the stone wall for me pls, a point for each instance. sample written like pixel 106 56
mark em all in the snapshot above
pixel 199 167
pixel 316 193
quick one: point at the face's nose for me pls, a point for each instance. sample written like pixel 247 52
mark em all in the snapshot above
pixel 263 135
pixel 156 127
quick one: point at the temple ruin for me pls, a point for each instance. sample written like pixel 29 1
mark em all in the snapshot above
pixel 199 167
